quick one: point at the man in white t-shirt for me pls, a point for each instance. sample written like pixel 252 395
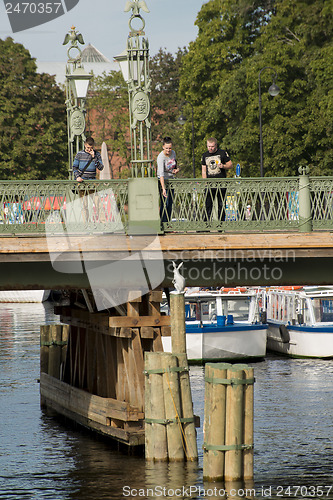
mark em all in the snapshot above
pixel 166 169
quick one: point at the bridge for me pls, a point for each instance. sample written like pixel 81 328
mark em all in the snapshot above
pixel 276 231
pixel 104 242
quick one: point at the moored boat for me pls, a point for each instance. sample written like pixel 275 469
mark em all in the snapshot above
pixel 300 321
pixel 222 325
pixel 24 295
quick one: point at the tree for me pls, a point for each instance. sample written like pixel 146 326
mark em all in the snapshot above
pixel 33 132
pixel 233 45
pixel 108 118
pixel 167 105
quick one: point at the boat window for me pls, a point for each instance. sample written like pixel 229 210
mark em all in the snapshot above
pixel 239 308
pixel 323 310
pixel 204 311
pixel 208 310
pixel 305 311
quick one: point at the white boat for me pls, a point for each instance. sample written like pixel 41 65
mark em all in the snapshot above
pixel 300 321
pixel 222 325
pixel 24 295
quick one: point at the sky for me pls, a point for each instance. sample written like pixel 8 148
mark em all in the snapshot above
pixel 104 24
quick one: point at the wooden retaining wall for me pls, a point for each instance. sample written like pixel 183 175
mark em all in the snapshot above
pixel 101 382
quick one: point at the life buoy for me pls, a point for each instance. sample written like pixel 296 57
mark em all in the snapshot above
pixel 290 288
pixel 238 289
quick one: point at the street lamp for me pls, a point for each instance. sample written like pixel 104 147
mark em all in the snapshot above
pixel 273 91
pixel 77 83
pixel 134 65
pixel 182 120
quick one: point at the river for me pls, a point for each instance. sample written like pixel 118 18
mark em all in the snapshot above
pixel 43 458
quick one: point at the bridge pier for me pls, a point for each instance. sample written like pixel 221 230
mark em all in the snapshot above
pixel 100 383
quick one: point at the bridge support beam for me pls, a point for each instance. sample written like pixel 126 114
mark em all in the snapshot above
pixel 101 383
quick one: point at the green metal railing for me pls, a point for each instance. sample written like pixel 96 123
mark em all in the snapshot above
pixel 39 207
pixel 250 205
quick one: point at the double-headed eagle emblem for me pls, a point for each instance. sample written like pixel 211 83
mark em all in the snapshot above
pixel 136 5
pixel 73 37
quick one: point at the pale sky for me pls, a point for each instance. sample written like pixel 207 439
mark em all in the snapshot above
pixel 104 24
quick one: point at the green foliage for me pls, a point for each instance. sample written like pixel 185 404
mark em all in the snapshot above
pixel 108 118
pixel 167 106
pixel 220 76
pixel 33 132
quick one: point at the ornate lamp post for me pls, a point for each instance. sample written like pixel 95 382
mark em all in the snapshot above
pixel 273 91
pixel 134 64
pixel 182 120
pixel 77 82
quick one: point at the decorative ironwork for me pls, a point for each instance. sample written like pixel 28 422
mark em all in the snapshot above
pixel 30 207
pixel 251 205
pixel 75 103
pixel 137 75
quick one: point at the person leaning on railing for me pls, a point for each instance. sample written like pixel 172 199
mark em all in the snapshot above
pixel 215 162
pixel 85 165
pixel 87 162
pixel 166 169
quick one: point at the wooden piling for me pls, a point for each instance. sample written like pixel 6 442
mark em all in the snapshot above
pixel 177 309
pixel 215 421
pixel 228 426
pixel 172 407
pixel 190 435
pixel 55 351
pixel 155 428
pixel 64 343
pixel 44 348
pixel 248 424
pixel 234 425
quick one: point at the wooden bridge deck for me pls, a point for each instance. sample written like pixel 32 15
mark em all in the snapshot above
pixel 304 258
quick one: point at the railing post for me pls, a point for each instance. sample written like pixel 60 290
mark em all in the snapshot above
pixel 305 219
pixel 143 206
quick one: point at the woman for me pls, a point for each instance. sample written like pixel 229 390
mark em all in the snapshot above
pixel 166 169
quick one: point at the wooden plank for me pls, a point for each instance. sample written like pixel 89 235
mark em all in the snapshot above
pixel 135 322
pixel 111 368
pixel 133 308
pixel 154 308
pixel 121 383
pixel 85 403
pixel 37 249
pixel 155 296
pixel 166 331
pixel 137 359
pixel 157 342
pixel 90 360
pixel 134 296
pixel 147 332
pixel 129 371
pixel 124 332
pixel 130 437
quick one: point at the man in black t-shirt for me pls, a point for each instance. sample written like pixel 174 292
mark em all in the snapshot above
pixel 214 163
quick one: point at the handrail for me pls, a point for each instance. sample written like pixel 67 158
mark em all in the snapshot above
pixel 251 205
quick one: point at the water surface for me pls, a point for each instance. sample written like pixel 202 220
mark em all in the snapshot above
pixel 43 458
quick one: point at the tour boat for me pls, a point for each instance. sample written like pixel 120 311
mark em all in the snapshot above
pixel 24 295
pixel 222 325
pixel 300 321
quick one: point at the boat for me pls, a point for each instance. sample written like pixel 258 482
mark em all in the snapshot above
pixel 300 321
pixel 24 295
pixel 222 325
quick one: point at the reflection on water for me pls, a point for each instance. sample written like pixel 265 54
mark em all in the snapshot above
pixel 43 458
